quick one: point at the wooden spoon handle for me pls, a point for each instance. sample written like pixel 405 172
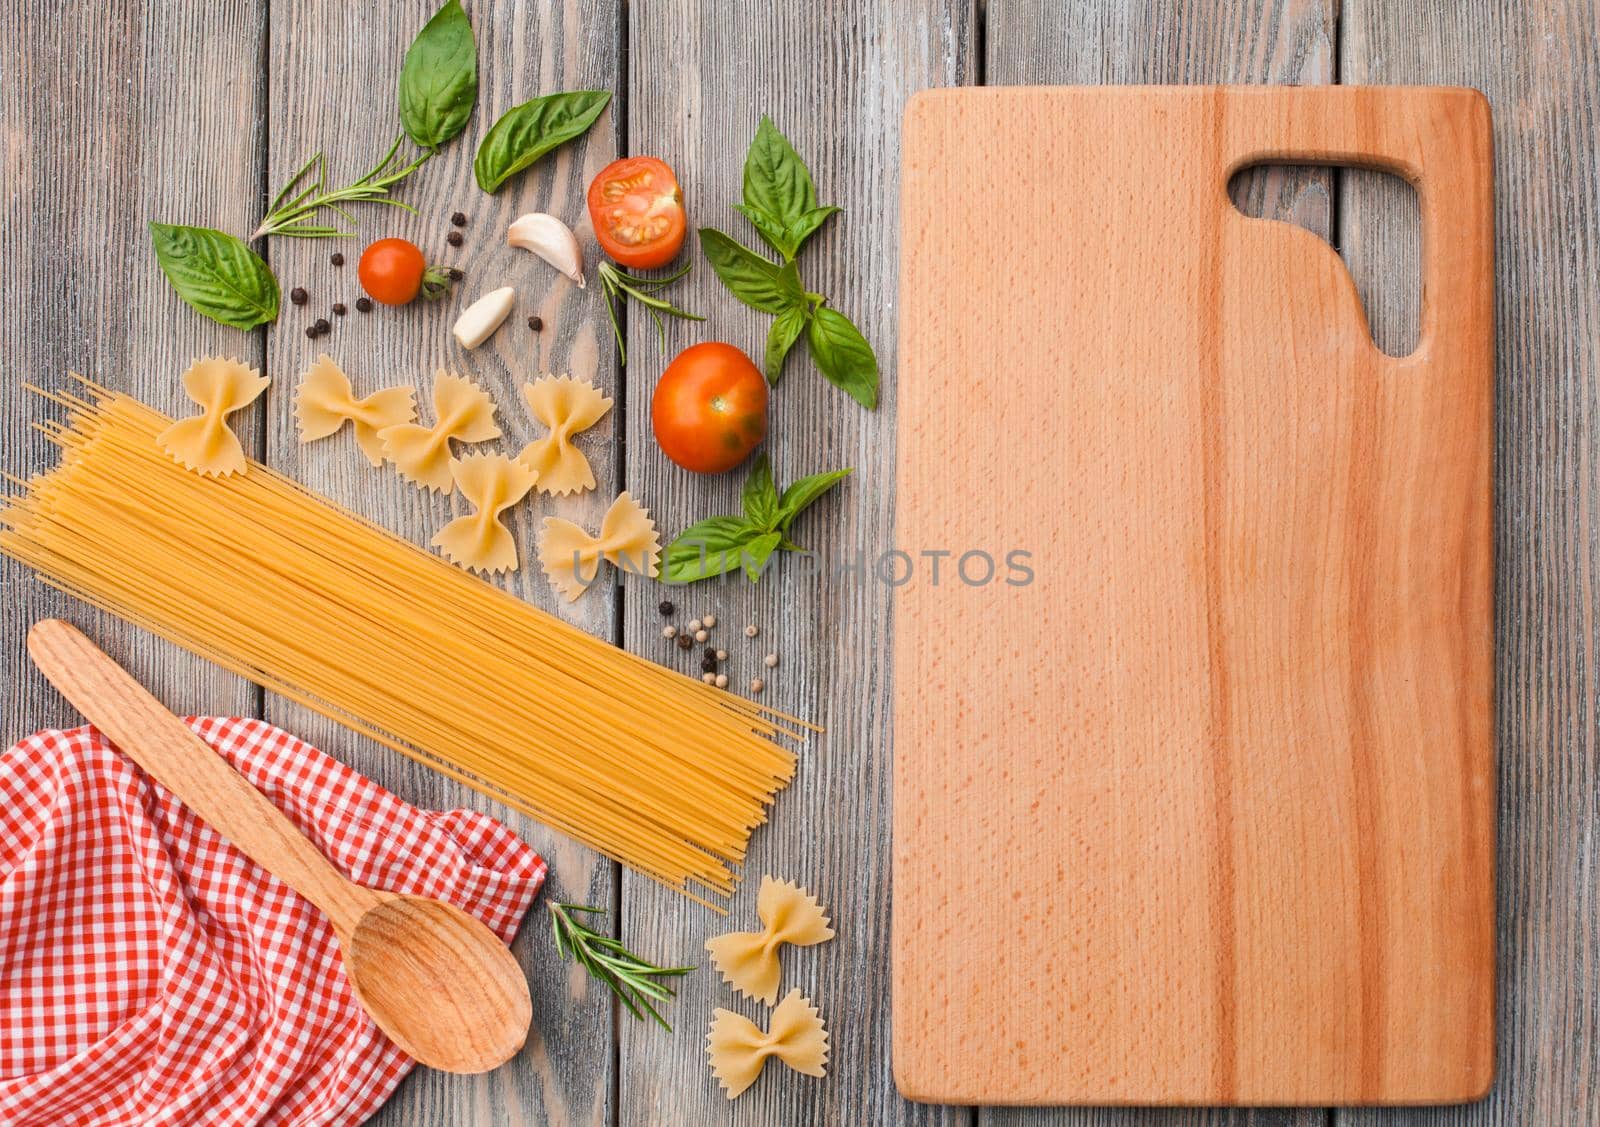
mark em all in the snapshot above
pixel 145 731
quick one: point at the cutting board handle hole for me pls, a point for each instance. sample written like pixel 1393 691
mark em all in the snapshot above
pixel 1370 218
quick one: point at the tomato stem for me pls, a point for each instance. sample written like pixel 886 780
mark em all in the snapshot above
pixel 435 282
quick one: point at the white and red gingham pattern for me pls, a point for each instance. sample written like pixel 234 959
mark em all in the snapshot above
pixel 151 974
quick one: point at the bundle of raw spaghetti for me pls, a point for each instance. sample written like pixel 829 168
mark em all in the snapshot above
pixel 271 581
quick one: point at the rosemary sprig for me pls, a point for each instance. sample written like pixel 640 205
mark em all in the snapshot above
pixel 620 286
pixel 294 210
pixel 627 975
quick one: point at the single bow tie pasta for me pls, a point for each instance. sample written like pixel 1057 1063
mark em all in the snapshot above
pixel 462 411
pixel 204 443
pixel 738 1049
pixel 748 960
pixel 628 540
pixel 491 484
pixel 324 402
pixel 566 406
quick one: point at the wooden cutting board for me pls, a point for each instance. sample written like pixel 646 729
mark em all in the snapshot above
pixel 1203 811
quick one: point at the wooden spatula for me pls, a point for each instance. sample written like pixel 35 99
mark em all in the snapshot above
pixel 437 981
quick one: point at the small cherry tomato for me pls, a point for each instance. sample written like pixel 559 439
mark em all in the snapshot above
pixel 393 271
pixel 710 408
pixel 637 212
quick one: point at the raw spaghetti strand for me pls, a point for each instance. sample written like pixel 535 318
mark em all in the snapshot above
pixel 271 581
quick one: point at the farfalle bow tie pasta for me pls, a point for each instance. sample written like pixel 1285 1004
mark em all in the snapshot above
pixel 748 960
pixel 491 484
pixel 628 540
pixel 203 442
pixel 324 402
pixel 566 406
pixel 462 411
pixel 739 1049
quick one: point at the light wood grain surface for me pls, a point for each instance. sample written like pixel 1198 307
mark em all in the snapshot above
pixel 115 114
pixel 1269 546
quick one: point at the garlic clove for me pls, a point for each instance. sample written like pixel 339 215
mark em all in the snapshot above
pixel 479 320
pixel 550 239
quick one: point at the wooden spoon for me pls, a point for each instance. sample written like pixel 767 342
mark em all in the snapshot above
pixel 436 980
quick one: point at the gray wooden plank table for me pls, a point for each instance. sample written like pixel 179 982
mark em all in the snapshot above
pixel 115 114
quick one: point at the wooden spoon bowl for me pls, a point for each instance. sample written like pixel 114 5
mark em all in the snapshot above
pixel 437 981
pixel 411 954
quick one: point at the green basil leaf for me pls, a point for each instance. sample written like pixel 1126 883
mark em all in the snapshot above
pixel 778 192
pixel 439 82
pixel 761 496
pixel 799 496
pixel 843 355
pixel 712 547
pixel 786 329
pixel 217 274
pixel 804 227
pixel 757 553
pixel 752 279
pixel 527 132
pixel 786 238
pixel 770 228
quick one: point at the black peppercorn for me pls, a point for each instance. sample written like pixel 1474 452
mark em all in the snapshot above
pixel 685 642
pixel 364 304
pixel 298 295
pixel 535 324
pixel 454 238
pixel 459 219
pixel 338 308
pixel 322 325
pixel 666 608
pixel 311 331
pixel 455 274
pixel 708 664
pixel 336 258
pixel 711 653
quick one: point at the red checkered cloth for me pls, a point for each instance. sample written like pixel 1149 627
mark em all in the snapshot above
pixel 151 974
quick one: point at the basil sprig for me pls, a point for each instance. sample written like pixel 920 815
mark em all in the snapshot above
pixel 780 201
pixel 527 132
pixel 217 274
pixel 718 545
pixel 439 81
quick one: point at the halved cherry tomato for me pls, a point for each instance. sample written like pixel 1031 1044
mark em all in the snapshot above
pixel 393 271
pixel 637 212
pixel 710 408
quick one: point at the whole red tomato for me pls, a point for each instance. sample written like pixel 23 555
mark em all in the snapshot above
pixel 637 212
pixel 710 408
pixel 393 271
